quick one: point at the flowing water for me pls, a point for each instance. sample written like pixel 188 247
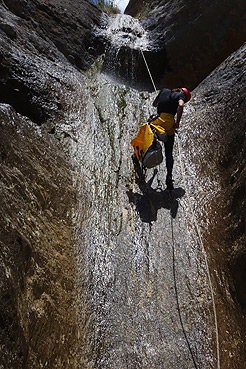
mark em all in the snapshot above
pixel 138 249
pixel 123 30
pixel 144 294
pixel 126 40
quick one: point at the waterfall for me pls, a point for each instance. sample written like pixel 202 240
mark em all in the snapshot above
pixel 98 272
pixel 125 31
pixel 136 249
pixel 126 39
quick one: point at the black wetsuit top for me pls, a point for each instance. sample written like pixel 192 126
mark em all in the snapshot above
pixel 168 101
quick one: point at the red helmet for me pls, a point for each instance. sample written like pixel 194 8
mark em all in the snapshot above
pixel 187 93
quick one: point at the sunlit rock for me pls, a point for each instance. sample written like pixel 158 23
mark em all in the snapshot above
pixel 96 271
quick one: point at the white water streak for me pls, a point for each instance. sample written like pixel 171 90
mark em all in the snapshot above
pixel 123 30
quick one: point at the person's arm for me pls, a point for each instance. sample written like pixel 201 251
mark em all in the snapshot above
pixel 179 113
pixel 155 102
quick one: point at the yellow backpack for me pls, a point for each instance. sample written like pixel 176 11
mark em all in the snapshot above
pixel 146 146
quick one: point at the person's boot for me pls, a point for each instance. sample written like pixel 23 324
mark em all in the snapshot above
pixel 169 183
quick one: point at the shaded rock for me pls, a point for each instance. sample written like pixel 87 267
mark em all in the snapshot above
pixel 24 74
pixel 134 8
pixel 8 29
pixel 213 139
pixel 66 24
pixel 189 40
pixel 97 272
pixel 38 267
pixel 37 47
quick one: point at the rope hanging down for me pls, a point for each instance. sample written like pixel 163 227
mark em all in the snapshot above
pixel 199 237
pixel 194 221
pixel 148 70
pixel 177 298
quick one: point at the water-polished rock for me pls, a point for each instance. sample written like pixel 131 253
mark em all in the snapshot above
pixel 37 258
pixel 37 37
pixel 66 24
pixel 97 271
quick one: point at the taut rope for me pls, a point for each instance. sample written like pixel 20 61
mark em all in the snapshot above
pixel 201 244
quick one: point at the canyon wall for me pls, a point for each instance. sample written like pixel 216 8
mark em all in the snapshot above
pixel 188 40
pixel 97 272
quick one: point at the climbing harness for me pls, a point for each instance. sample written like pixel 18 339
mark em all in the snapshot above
pixel 201 244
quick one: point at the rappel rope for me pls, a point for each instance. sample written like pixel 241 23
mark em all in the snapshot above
pixel 153 83
pixel 201 244
pixel 204 252
pixel 177 298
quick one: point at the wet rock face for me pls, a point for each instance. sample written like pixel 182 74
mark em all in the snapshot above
pixel 96 271
pixel 125 253
pixel 66 24
pixel 214 141
pixel 36 39
pixel 37 314
pixel 145 258
pixel 189 39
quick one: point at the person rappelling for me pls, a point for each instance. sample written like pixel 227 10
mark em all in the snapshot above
pixel 169 104
pixel 147 149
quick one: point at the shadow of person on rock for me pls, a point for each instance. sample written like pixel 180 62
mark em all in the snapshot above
pixel 151 200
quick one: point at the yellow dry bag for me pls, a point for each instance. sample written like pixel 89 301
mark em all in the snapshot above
pixel 147 148
pixel 143 140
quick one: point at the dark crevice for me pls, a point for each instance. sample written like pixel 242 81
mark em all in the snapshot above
pixel 20 99
pixel 239 277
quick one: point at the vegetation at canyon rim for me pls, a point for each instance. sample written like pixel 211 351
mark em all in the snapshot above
pixel 109 7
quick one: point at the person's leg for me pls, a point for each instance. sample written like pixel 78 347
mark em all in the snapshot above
pixel 169 160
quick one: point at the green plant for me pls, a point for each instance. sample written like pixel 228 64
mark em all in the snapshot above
pixel 107 6
pixel 147 7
